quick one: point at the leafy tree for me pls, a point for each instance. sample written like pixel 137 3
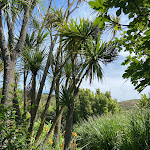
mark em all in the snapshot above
pixel 135 38
pixel 33 56
pixel 83 105
pixel 104 103
pixel 88 104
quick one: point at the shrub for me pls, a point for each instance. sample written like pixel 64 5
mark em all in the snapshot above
pixel 12 134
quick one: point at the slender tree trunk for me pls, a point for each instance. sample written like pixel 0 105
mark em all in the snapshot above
pixel 69 118
pixel 15 101
pixel 25 92
pixel 43 117
pixel 42 83
pixel 69 125
pixel 58 124
pixel 57 131
pixel 33 93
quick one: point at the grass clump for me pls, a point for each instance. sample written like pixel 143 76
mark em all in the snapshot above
pixel 116 132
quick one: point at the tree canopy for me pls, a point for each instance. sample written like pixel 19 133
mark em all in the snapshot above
pixel 89 104
pixel 135 37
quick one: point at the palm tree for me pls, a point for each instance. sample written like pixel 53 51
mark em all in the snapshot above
pixel 83 42
pixel 33 58
pixel 65 18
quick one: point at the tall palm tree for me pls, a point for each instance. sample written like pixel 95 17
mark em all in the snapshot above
pixel 83 42
pixel 33 57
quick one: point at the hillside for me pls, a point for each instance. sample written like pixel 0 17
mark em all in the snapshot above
pixel 128 104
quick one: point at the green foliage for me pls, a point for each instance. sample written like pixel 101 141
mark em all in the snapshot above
pixel 54 17
pixel 33 59
pixel 89 104
pixel 144 102
pixel 32 55
pixel 120 131
pixel 95 52
pixel 66 97
pixel 84 41
pixel 135 39
pixel 13 134
pixel 78 33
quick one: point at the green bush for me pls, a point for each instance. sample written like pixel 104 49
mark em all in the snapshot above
pixel 112 132
pixel 12 134
pixel 89 104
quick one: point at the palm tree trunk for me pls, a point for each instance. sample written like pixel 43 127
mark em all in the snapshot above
pixel 69 122
pixel 58 124
pixel 43 117
pixel 69 125
pixel 15 102
pixel 33 92
pixel 69 118
pixel 25 92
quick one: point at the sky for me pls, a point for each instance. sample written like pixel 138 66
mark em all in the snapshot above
pixel 120 88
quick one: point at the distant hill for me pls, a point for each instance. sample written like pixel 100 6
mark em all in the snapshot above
pixel 128 104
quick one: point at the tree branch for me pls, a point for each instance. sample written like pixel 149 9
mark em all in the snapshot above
pixel 3 44
pixel 66 12
pixel 10 26
pixel 73 9
pixel 22 37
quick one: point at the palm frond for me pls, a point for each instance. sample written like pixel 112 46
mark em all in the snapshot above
pixel 66 96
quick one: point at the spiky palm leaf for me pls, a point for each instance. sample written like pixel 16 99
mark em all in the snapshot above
pixel 66 96
pixel 54 17
pixel 85 37
pixel 33 59
pixel 78 33
pixel 96 52
pixel 32 56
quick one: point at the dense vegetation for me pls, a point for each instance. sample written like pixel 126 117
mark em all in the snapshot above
pixel 92 104
pixel 122 131
pixel 40 45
